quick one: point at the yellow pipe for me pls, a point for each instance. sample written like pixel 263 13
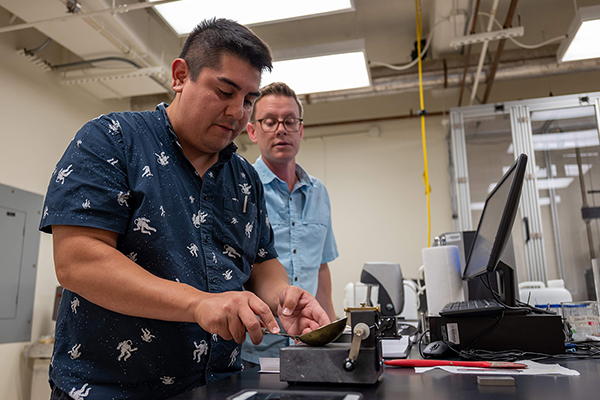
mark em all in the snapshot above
pixel 426 173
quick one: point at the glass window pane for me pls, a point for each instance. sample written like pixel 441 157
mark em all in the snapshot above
pixel 566 141
pixel 490 153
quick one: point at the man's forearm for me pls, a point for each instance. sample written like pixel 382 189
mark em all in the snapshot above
pixel 324 291
pixel 267 281
pixel 88 263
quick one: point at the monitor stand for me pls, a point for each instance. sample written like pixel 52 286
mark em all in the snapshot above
pixel 503 281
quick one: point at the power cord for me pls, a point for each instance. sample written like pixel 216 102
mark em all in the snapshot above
pixel 521 306
pixel 578 351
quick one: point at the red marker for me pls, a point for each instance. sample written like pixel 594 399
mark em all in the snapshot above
pixel 438 363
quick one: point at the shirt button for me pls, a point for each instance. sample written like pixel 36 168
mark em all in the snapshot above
pixel 213 279
pixel 293 224
pixel 290 199
pixel 294 251
pixel 296 279
pixel 205 197
pixel 206 239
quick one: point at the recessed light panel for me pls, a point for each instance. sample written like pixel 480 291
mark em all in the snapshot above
pixel 321 73
pixel 184 15
pixel 582 37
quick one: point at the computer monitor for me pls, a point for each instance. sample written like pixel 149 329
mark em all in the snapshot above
pixel 494 228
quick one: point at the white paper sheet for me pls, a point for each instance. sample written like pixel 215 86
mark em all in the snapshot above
pixel 269 365
pixel 534 368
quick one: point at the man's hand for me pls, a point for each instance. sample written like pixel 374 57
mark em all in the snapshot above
pixel 231 314
pixel 299 312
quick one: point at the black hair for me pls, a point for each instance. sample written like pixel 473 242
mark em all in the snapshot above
pixel 211 38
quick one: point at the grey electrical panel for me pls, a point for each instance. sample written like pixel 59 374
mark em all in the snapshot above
pixel 20 214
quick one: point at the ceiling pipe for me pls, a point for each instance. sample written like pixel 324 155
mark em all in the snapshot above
pixel 483 51
pixel 533 68
pixel 103 59
pixel 468 53
pixel 507 24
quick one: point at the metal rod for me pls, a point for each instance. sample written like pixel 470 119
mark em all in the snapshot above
pixel 555 220
pixel 484 51
pixel 468 55
pixel 87 62
pixel 585 204
pixel 491 76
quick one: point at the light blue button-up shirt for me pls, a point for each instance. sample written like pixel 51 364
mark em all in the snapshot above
pixel 304 238
pixel 302 225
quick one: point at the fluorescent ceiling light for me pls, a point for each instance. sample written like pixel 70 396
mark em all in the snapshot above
pixel 477 205
pixel 544 184
pixel 544 201
pixel 540 173
pixel 582 37
pixel 321 68
pixel 184 15
pixel 563 113
pixel 554 183
pixel 573 169
pixel 561 141
pixel 582 155
pixel 567 140
pixel 321 73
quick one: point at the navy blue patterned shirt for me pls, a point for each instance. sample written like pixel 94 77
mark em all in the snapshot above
pixel 126 173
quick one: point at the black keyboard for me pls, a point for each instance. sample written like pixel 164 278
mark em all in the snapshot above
pixel 472 308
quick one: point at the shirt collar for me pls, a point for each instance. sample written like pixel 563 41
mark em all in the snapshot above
pixel 267 176
pixel 224 155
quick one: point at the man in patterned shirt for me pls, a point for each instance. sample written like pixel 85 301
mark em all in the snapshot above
pixel 158 225
pixel 298 204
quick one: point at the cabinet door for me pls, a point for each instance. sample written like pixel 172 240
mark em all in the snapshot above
pixel 12 229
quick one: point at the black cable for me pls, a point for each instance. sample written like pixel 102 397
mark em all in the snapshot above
pixel 420 343
pixel 41 47
pixel 488 331
pixel 582 352
pixel 521 306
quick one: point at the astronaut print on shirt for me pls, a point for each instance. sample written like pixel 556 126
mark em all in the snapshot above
pixel 204 231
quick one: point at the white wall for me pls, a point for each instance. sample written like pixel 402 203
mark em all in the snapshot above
pixel 39 118
pixel 377 193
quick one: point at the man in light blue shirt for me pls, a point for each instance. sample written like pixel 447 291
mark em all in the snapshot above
pixel 297 203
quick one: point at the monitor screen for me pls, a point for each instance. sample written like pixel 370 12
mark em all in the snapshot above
pixel 496 221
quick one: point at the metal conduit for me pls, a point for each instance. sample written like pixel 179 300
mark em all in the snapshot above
pixel 555 220
pixel 462 173
pixel 403 83
pixel 87 62
pixel 516 137
pixel 484 51
pixel 523 143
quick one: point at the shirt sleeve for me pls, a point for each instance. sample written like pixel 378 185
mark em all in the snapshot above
pixel 330 250
pixel 266 238
pixel 89 184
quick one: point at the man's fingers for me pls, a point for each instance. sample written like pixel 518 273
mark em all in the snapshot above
pixel 252 325
pixel 289 300
pixel 237 328
pixel 261 309
pixel 321 317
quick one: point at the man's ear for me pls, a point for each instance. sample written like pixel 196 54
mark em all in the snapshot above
pixel 180 73
pixel 251 132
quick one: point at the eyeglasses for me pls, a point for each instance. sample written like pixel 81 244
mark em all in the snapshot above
pixel 270 125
